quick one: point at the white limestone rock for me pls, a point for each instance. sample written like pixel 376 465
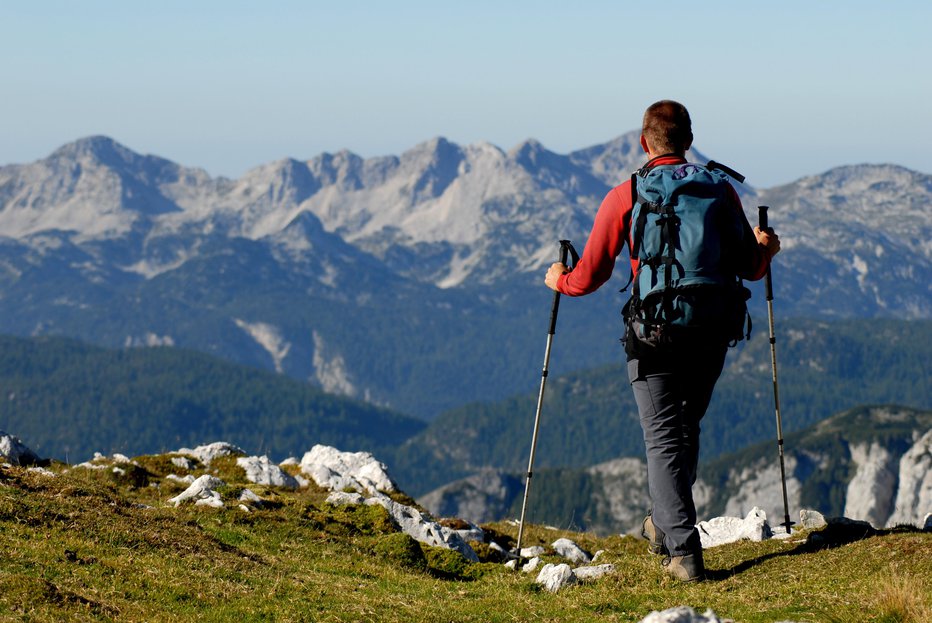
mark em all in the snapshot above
pixel 15 452
pixel 871 490
pixel 593 572
pixel 207 453
pixel 722 530
pixel 554 577
pixel 760 485
pixel 681 614
pixel 572 552
pixel 201 492
pixel 336 471
pixel 531 552
pixel 914 496
pixel 344 498
pixel 811 520
pixel 261 471
pixel 182 462
pixel 531 565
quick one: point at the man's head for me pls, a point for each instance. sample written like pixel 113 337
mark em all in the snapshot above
pixel 666 129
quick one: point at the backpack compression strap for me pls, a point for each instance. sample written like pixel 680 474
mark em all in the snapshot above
pixel 712 165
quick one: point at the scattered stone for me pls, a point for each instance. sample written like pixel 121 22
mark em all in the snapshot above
pixel 344 498
pixel 722 530
pixel 121 458
pixel 572 552
pixel 40 470
pixel 593 572
pixel 183 462
pixel 811 520
pixel 119 471
pixel 512 564
pixel 16 453
pixel 554 577
pixel 202 492
pixel 261 471
pixel 246 495
pixel 207 453
pixel 681 614
pixel 531 552
pixel 337 471
pixel 597 555
pixel 531 565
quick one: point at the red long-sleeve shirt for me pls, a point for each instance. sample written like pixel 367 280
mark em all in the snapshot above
pixel 612 230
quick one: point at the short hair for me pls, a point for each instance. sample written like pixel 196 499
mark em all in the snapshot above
pixel 667 127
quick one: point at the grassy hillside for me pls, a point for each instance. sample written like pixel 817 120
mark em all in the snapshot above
pixel 84 546
pixel 590 416
pixel 70 400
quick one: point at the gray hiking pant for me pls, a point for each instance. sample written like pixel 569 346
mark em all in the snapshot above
pixel 672 395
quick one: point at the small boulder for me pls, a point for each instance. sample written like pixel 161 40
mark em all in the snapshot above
pixel 681 614
pixel 593 572
pixel 202 492
pixel 16 453
pixel 811 520
pixel 722 530
pixel 572 552
pixel 261 471
pixel 207 453
pixel 336 471
pixel 555 577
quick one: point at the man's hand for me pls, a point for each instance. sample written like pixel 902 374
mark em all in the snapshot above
pixel 769 239
pixel 553 274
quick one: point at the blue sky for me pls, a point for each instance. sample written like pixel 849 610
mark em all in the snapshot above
pixel 777 90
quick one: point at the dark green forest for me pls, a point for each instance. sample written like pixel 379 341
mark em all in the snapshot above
pixel 66 400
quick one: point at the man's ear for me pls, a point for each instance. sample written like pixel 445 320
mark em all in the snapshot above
pixel 644 144
pixel 689 143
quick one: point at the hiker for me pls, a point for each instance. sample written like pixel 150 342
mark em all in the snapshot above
pixel 672 365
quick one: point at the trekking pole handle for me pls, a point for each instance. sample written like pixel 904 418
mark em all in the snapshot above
pixel 555 308
pixel 762 218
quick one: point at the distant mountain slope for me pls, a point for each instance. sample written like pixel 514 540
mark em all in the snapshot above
pixel 410 281
pixel 868 463
pixel 70 400
pixel 589 417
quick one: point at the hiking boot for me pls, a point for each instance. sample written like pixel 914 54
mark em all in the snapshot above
pixel 688 568
pixel 654 536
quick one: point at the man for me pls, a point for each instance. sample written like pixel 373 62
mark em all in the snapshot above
pixel 672 385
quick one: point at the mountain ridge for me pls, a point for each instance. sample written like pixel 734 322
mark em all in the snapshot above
pixel 432 258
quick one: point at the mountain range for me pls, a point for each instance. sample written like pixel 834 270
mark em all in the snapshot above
pixel 410 281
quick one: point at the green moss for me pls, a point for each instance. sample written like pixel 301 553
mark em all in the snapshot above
pixel 447 564
pixel 350 519
pixel 402 550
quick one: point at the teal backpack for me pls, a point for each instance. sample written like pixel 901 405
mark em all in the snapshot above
pixel 685 234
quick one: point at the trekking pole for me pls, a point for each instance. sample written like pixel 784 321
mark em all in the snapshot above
pixel 762 212
pixel 565 248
